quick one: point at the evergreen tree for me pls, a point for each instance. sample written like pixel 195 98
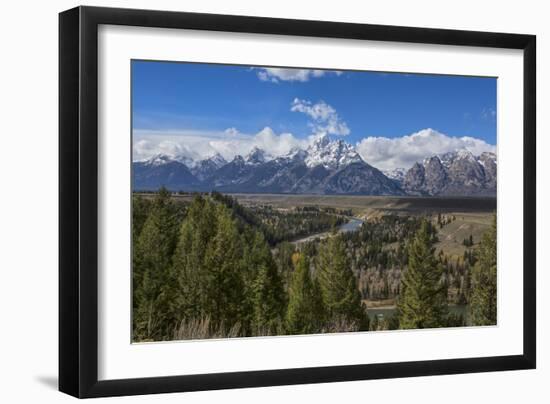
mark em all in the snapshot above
pixel 208 266
pixel 483 299
pixel 152 255
pixel 338 284
pixel 223 263
pixel 190 271
pixel 283 258
pixel 265 288
pixel 305 314
pixel 423 299
pixel 140 211
pixel 225 272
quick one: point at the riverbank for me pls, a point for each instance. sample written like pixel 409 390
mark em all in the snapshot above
pixel 353 224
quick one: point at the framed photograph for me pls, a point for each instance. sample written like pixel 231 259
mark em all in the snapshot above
pixel 252 202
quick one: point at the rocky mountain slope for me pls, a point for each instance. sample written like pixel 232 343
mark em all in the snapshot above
pixel 456 173
pixel 325 167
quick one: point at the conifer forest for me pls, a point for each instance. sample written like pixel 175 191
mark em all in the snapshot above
pixel 213 265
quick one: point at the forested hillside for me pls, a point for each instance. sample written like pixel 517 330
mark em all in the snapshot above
pixel 208 267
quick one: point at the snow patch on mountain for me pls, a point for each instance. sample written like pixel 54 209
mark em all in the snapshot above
pixel 397 174
pixel 257 156
pixel 331 154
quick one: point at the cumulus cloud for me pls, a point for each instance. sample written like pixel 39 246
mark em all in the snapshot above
pixel 198 145
pixel 276 74
pixel 382 152
pixel 144 148
pixel 402 152
pixel 277 145
pixel 325 119
pixel 231 132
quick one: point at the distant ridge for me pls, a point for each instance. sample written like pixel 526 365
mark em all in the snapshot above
pixel 325 167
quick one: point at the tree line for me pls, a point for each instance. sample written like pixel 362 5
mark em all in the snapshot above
pixel 423 299
pixel 200 271
pixel 206 270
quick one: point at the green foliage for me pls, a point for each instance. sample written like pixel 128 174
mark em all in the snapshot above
pixel 305 314
pixel 208 267
pixel 423 299
pixel 140 210
pixel 222 264
pixel 268 296
pixel 189 269
pixel 152 259
pixel 368 247
pixel 468 242
pixel 279 226
pixel 283 258
pixel 338 284
pixel 483 300
pixel 225 273
pixel 455 320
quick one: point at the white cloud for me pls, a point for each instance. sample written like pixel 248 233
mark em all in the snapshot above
pixel 277 145
pixel 276 74
pixel 325 119
pixel 145 148
pixel 402 152
pixel 231 131
pixel 381 152
pixel 201 144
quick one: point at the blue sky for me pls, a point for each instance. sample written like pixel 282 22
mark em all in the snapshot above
pixel 193 100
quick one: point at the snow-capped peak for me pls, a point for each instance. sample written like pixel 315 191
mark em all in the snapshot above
pixel 216 159
pixel 487 158
pixel 460 155
pixel 331 153
pixel 161 158
pixel 463 154
pixel 321 141
pixel 295 153
pixel 397 174
pixel 158 160
pixel 256 156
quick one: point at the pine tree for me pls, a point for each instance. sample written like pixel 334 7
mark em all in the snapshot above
pixel 305 313
pixel 338 284
pixel 208 266
pixel 423 300
pixel 264 287
pixel 483 299
pixel 189 270
pixel 284 261
pixel 223 262
pixel 140 210
pixel 225 273
pixel 152 260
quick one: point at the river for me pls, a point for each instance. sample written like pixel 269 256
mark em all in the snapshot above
pixel 354 224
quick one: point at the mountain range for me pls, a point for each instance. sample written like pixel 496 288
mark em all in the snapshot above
pixel 456 173
pixel 325 167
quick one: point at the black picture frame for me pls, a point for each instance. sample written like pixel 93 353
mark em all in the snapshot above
pixel 78 201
